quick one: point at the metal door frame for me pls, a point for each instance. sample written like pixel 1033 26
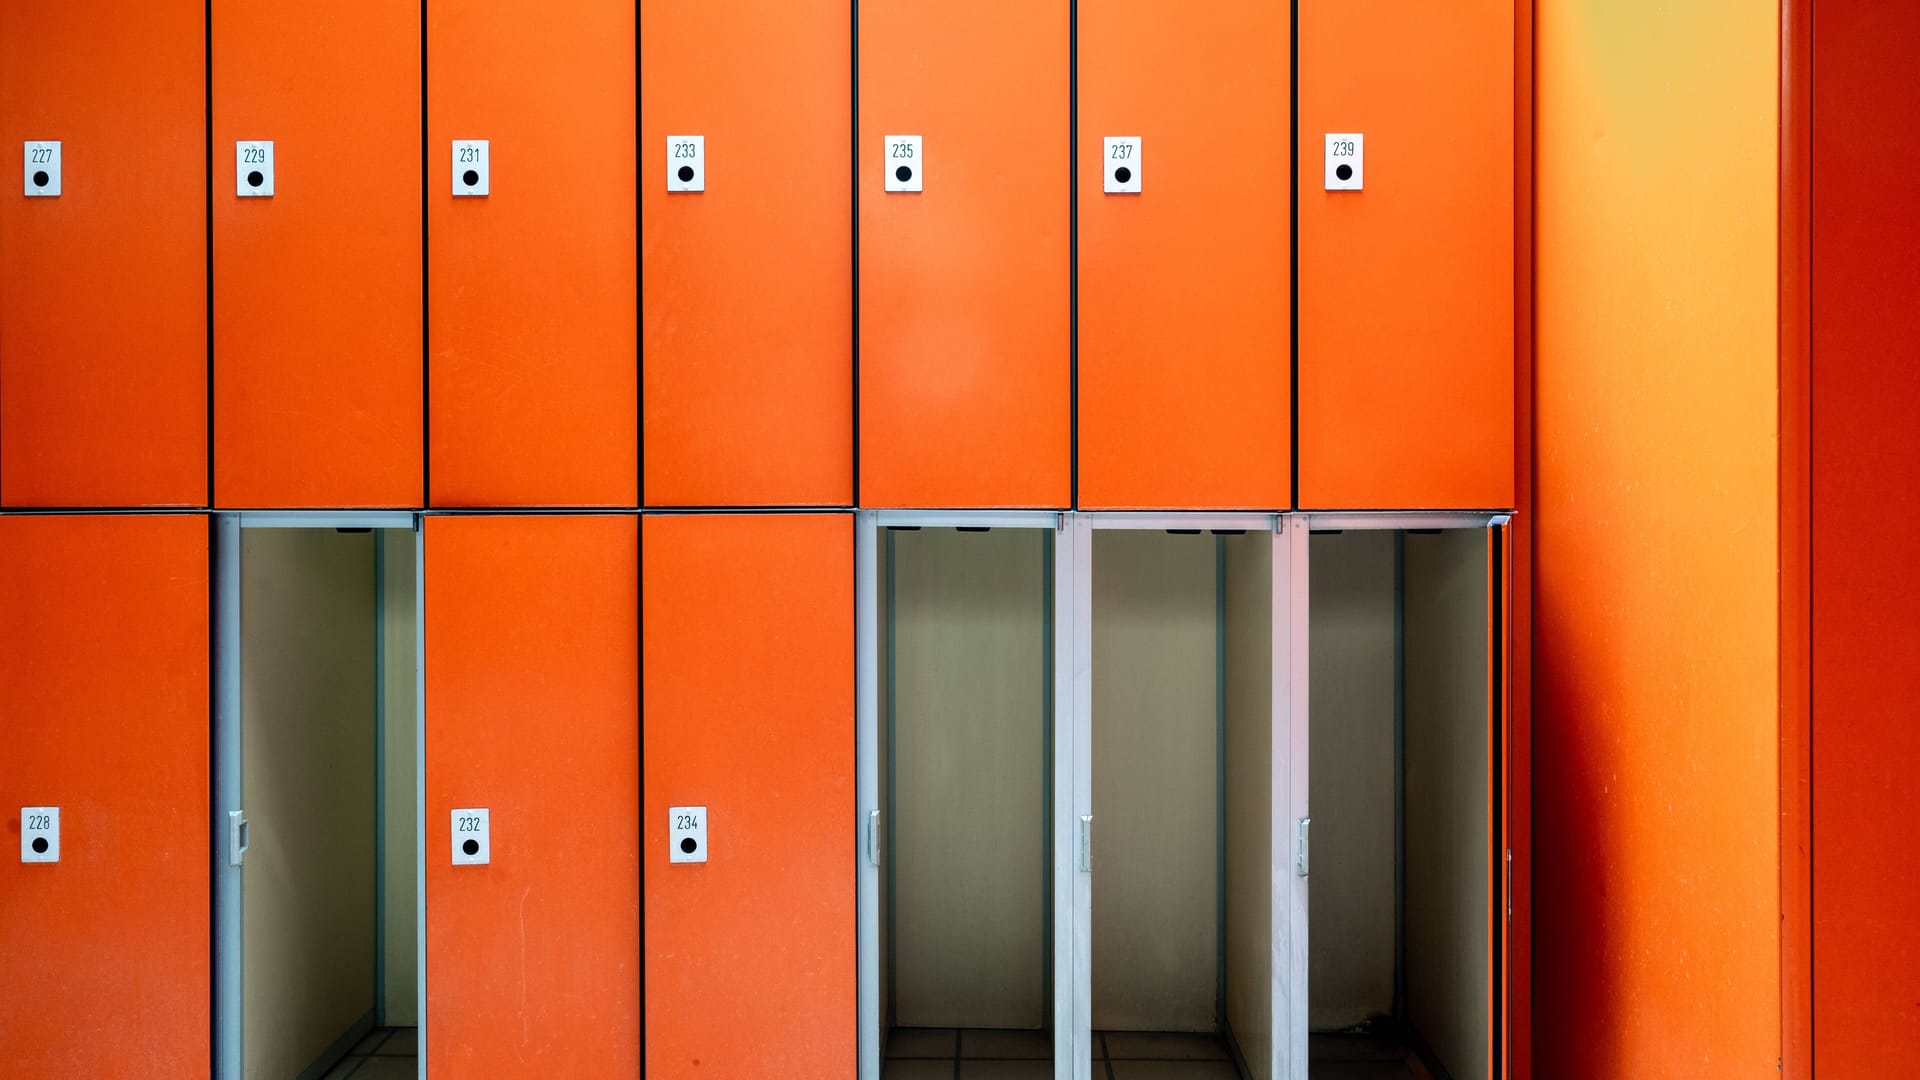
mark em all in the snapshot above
pixel 1292 1052
pixel 868 824
pixel 228 937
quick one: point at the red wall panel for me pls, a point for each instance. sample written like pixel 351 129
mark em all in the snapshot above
pixel 748 285
pixel 531 287
pixel 316 290
pixel 1406 287
pixel 1865 514
pixel 532 686
pixel 104 702
pixel 748 651
pixel 1185 354
pixel 965 286
pixel 103 289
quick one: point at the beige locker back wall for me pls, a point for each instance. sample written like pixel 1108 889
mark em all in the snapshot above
pixel 1155 781
pixel 1350 681
pixel 307 713
pixel 970 698
pixel 1448 887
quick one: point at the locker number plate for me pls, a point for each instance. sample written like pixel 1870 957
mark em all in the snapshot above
pixel 253 167
pixel 472 837
pixel 472 174
pixel 39 834
pixel 1346 162
pixel 686 163
pixel 1120 157
pixel 904 162
pixel 42 162
pixel 686 834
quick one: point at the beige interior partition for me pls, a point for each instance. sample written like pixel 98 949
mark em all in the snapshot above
pixel 1350 686
pixel 307 713
pixel 1250 731
pixel 1448 839
pixel 970 698
pixel 399 882
pixel 1156 887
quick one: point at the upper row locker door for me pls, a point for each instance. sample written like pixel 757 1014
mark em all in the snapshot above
pixel 1185 353
pixel 1406 281
pixel 103 267
pixel 747 263
pixel 316 286
pixel 965 275
pixel 531 267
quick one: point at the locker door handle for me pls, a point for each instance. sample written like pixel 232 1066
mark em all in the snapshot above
pixel 873 837
pixel 239 832
pixel 1086 843
pixel 1300 848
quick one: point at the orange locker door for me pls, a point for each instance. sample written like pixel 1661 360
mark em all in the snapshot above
pixel 1184 229
pixel 965 270
pixel 533 703
pixel 530 269
pixel 104 702
pixel 748 652
pixel 747 274
pixel 1406 260
pixel 103 265
pixel 316 253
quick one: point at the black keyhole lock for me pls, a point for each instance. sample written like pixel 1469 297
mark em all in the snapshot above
pixel 471 847
pixel 1123 174
pixel 903 174
pixel 685 174
pixel 470 178
pixel 256 178
pixel 39 845
pixel 689 845
pixel 1344 172
pixel 40 178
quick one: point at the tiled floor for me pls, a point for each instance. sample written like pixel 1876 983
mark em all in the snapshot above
pixel 947 1054
pixel 385 1054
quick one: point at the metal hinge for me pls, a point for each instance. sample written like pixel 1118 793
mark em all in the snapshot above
pixel 1509 884
pixel 1300 828
pixel 1086 843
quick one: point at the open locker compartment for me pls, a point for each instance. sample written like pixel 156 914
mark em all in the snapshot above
pixel 316 739
pixel 1402 740
pixel 963 937
pixel 1180 711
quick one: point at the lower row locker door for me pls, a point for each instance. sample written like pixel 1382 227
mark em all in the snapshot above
pixel 748 651
pixel 532 714
pixel 104 952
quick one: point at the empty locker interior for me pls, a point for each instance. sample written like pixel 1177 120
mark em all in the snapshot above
pixel 966 691
pixel 1401 886
pixel 327 713
pixel 1181 856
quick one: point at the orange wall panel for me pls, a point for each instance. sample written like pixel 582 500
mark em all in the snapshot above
pixel 531 287
pixel 103 289
pixel 316 290
pixel 747 286
pixel 1656 948
pixel 748 653
pixel 1185 355
pixel 1865 514
pixel 1406 287
pixel 532 689
pixel 965 337
pixel 104 701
